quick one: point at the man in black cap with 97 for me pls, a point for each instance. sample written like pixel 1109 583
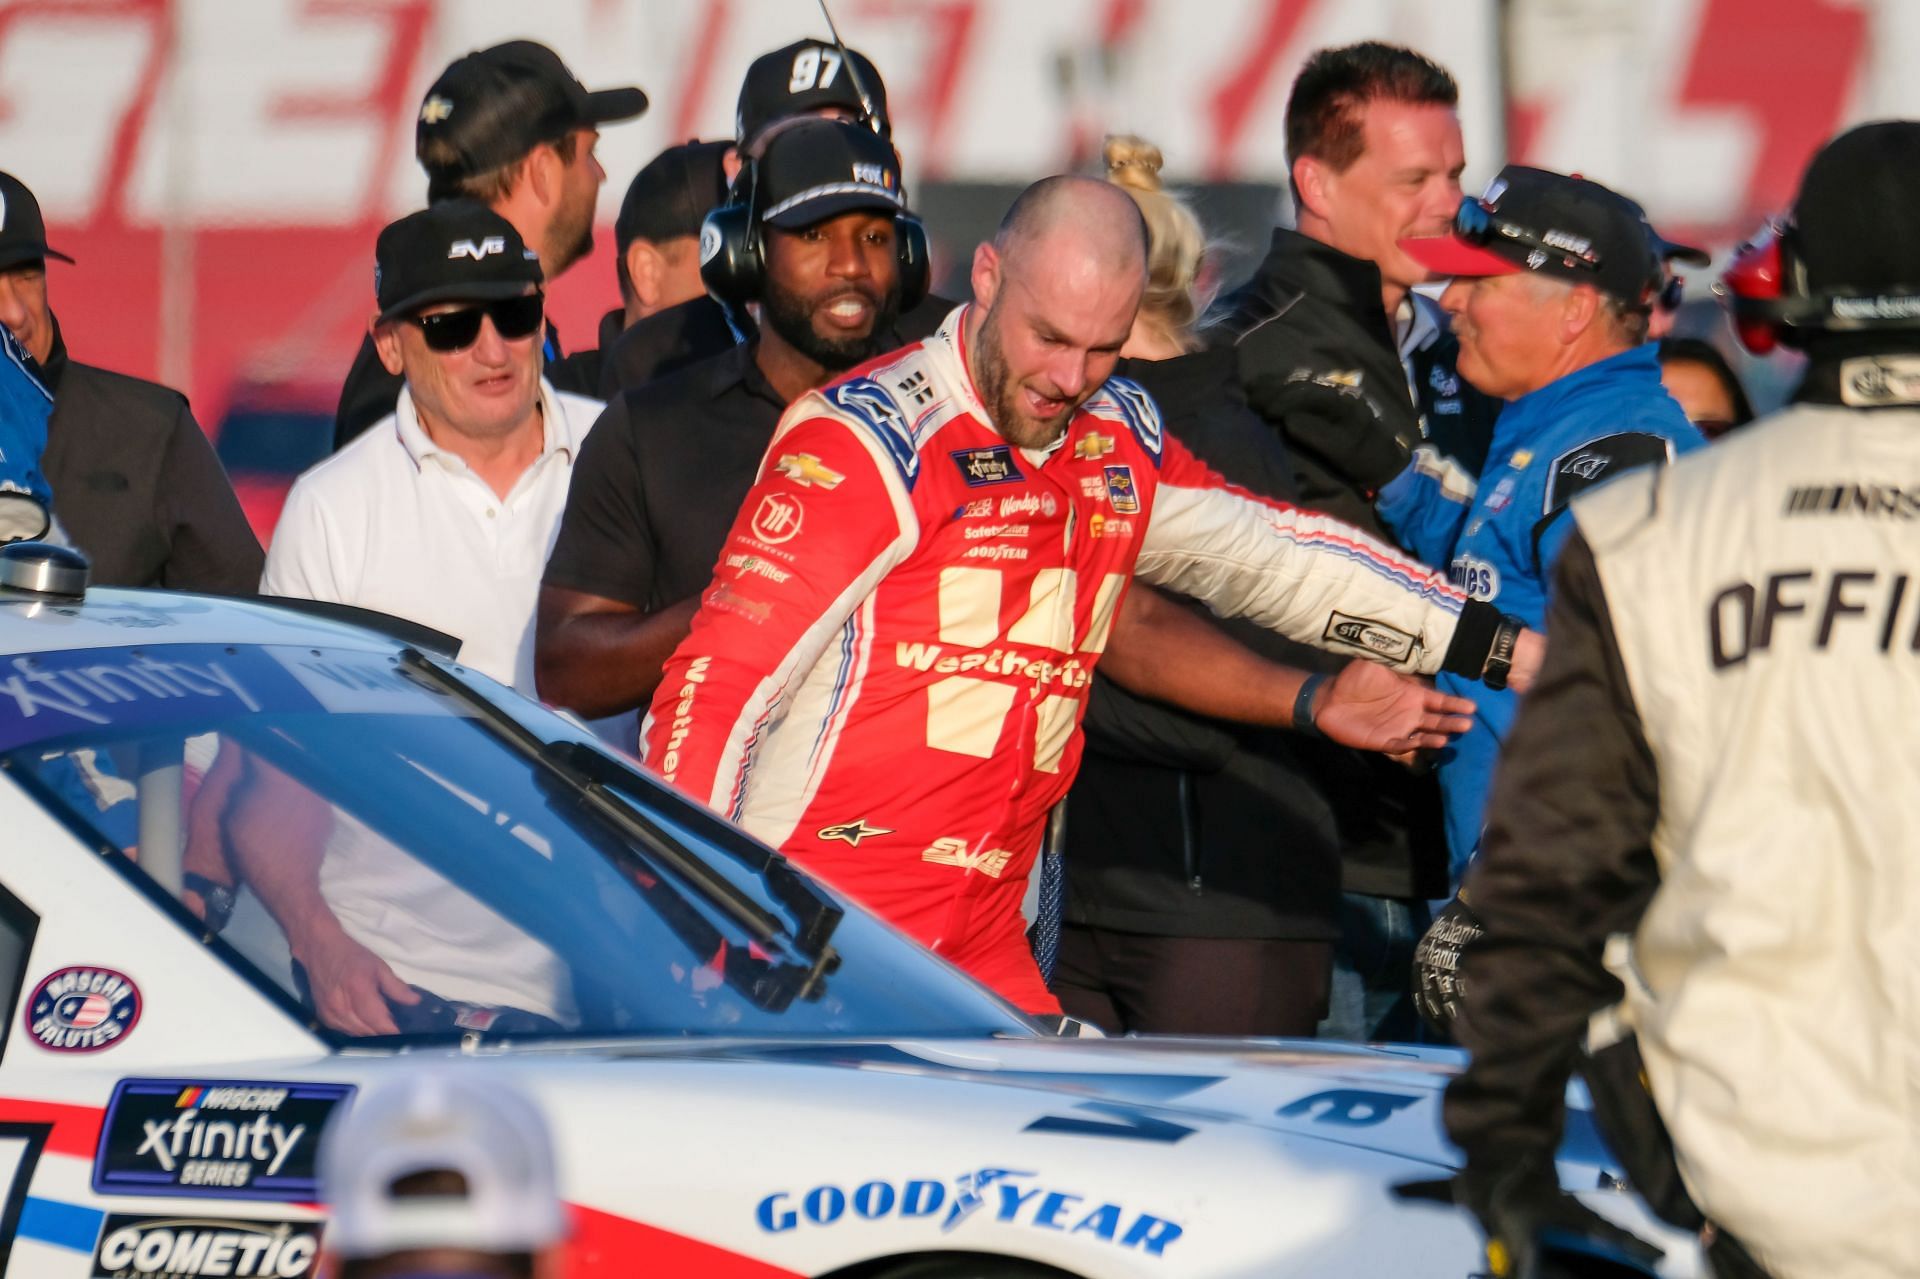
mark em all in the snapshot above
pixel 806 78
pixel 512 128
pixel 135 483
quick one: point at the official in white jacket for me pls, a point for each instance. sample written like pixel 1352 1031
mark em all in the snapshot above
pixel 1702 835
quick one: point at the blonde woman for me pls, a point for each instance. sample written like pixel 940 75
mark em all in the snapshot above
pixel 1203 870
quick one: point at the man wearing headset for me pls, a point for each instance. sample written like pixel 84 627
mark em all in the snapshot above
pixel 818 244
pixel 808 78
pixel 1700 852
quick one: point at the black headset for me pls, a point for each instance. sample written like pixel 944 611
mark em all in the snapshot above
pixel 733 251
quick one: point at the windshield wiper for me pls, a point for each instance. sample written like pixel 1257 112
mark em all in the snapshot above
pixel 582 772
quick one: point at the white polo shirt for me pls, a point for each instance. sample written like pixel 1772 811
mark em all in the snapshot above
pixel 397 523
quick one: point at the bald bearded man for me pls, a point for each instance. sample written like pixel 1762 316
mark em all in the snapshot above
pixel 885 678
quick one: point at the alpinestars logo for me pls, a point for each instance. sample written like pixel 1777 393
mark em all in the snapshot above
pixel 851 833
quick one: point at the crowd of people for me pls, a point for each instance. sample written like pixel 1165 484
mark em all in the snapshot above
pixel 855 565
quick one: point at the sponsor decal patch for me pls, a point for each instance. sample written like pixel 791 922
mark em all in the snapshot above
pixel 1029 504
pixel 1121 493
pixel 1479 579
pixel 777 518
pixel 176 1247
pixel 953 851
pixel 1502 495
pixel 806 470
pixel 980 467
pixel 1093 446
pixel 1003 1195
pixel 82 1010
pixel 1369 636
pixel 851 832
pixel 214 1138
pixel 1109 526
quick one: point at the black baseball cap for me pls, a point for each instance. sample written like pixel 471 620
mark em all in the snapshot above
pixel 453 251
pixel 805 77
pixel 673 193
pixel 23 232
pixel 814 169
pixel 1533 220
pixel 493 106
pixel 1853 219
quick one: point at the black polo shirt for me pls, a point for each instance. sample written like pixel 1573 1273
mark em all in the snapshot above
pixel 660 479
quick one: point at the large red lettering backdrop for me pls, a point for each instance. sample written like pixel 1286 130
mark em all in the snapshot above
pixel 220 167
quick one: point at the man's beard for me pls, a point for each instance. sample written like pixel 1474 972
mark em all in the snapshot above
pixel 572 239
pixel 791 316
pixel 998 392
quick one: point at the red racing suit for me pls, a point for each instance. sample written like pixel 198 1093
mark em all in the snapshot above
pixel 886 676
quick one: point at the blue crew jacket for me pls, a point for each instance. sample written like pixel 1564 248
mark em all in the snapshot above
pixel 1500 535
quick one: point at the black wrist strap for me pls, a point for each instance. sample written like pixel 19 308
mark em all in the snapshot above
pixel 1303 704
pixel 1506 637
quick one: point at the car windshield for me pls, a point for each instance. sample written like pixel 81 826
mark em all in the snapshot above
pixel 396 848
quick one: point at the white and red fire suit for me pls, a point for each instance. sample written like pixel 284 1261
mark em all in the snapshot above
pixel 886 675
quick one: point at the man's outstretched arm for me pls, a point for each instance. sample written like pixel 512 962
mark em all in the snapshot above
pixel 599 656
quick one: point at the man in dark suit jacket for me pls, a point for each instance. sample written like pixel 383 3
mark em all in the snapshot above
pixel 135 484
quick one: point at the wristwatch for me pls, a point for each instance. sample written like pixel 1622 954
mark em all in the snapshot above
pixel 1500 653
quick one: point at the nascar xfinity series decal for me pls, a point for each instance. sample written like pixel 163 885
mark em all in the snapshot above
pixel 990 1194
pixel 82 1010
pixel 219 1138
pixel 134 1247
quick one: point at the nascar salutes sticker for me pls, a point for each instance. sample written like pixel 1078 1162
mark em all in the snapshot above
pixel 987 466
pixel 218 1138
pixel 133 1247
pixel 82 1010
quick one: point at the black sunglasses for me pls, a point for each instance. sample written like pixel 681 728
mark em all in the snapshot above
pixel 1476 224
pixel 513 318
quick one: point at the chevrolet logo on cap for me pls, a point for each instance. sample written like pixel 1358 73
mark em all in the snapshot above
pixel 435 109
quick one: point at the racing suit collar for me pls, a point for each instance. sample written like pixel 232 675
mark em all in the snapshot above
pixel 1522 417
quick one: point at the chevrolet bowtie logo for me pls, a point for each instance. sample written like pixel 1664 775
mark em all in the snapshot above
pixel 806 470
pixel 851 832
pixel 1093 445
pixel 435 109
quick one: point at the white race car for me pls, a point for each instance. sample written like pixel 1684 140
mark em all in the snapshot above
pixel 258 860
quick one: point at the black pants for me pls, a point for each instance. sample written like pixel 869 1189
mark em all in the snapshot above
pixel 1130 982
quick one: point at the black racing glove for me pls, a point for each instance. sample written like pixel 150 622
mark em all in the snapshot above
pixel 1331 415
pixel 1439 991
pixel 1536 1230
